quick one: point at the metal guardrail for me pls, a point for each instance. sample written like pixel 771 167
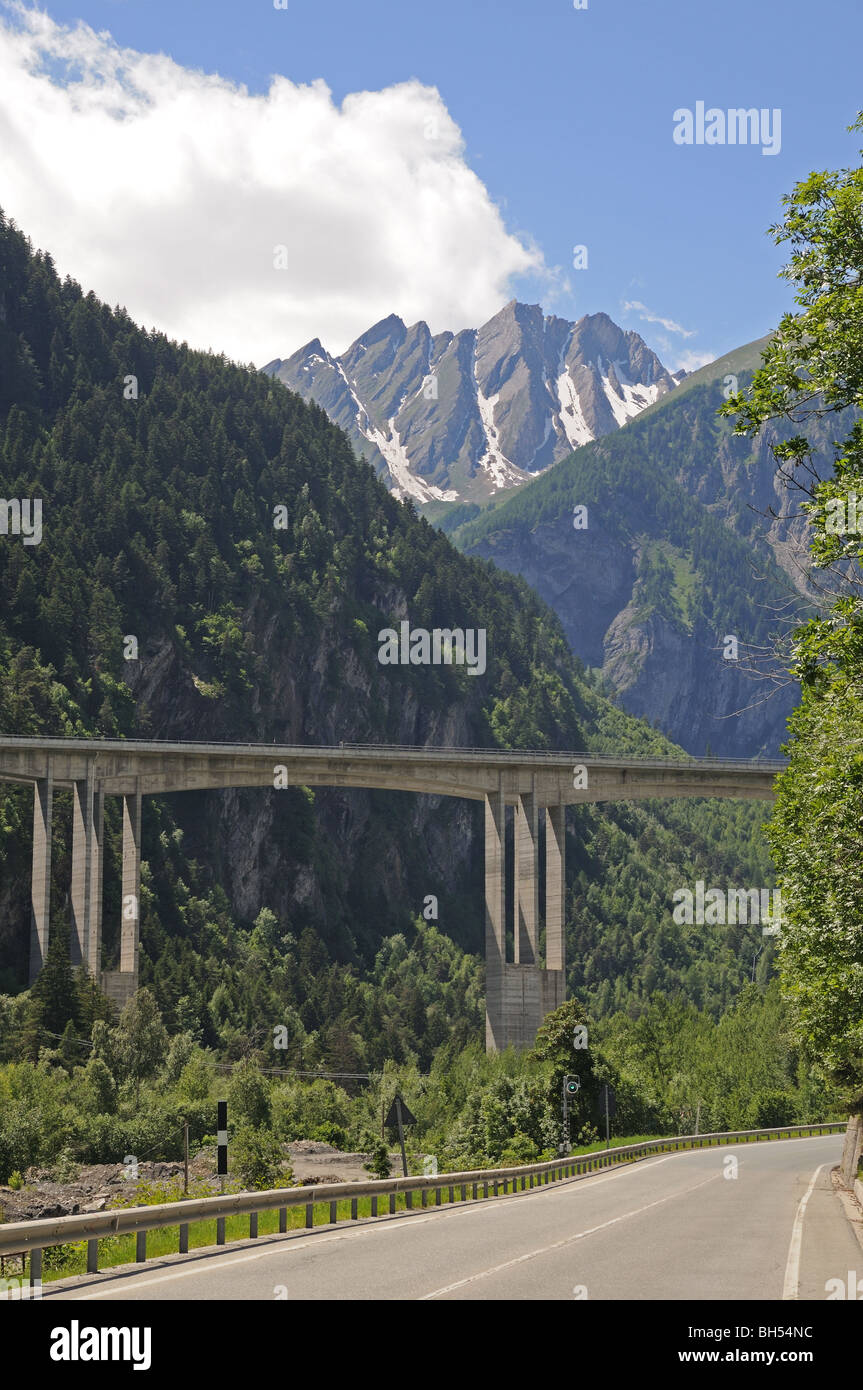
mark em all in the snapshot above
pixel 22 1237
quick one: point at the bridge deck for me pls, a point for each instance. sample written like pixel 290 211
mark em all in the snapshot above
pixel 121 766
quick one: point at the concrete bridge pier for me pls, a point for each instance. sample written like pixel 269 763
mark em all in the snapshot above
pixel 88 852
pixel 120 985
pixel 40 881
pixel 520 993
pixel 526 919
pixel 83 795
pixel 97 856
pixel 495 919
pixel 131 882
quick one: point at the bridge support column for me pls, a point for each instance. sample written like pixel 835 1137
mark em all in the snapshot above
pixel 554 975
pixel 82 868
pixel 555 886
pixel 94 951
pixel 520 993
pixel 40 882
pixel 526 917
pixel 130 926
pixel 495 919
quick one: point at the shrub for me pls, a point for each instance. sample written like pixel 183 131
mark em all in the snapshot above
pixel 328 1133
pixel 257 1158
pixel 379 1160
pixel 249 1096
pixel 520 1149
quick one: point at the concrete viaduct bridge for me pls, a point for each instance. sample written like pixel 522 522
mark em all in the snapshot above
pixel 519 993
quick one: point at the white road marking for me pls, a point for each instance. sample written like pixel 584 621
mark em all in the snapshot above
pixel 214 1261
pixel 290 1247
pixel 567 1240
pixel 792 1268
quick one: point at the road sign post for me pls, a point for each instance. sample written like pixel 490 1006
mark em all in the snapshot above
pixel 400 1115
pixel 571 1087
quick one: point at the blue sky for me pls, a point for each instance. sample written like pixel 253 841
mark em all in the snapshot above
pixel 566 118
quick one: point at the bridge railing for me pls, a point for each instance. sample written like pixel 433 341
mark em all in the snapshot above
pixel 23 1237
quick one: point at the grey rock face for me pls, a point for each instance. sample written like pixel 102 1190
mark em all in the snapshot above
pixel 462 416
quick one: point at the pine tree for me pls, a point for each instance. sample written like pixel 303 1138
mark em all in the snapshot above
pixel 55 998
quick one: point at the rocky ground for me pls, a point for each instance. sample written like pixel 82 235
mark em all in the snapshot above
pixel 98 1186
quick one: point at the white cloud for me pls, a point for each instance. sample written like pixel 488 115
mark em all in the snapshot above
pixel 166 189
pixel 650 317
pixel 691 361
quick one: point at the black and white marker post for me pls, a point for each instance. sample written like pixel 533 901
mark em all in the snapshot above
pixel 222 1160
pixel 222 1140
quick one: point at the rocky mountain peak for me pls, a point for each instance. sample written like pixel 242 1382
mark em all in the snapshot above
pixel 466 415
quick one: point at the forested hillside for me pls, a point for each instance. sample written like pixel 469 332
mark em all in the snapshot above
pixel 161 472
pixel 689 537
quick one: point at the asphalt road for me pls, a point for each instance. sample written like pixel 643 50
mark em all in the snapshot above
pixel 673 1227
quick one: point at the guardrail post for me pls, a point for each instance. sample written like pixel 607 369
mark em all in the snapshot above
pixel 81 1229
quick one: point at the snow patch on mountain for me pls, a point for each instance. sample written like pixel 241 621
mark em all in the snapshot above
pixel 406 483
pixel 494 462
pixel 572 420
pixel 627 399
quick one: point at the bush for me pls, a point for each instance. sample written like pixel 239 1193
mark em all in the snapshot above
pixel 379 1160
pixel 520 1149
pixel 249 1096
pixel 328 1133
pixel 772 1107
pixel 257 1158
